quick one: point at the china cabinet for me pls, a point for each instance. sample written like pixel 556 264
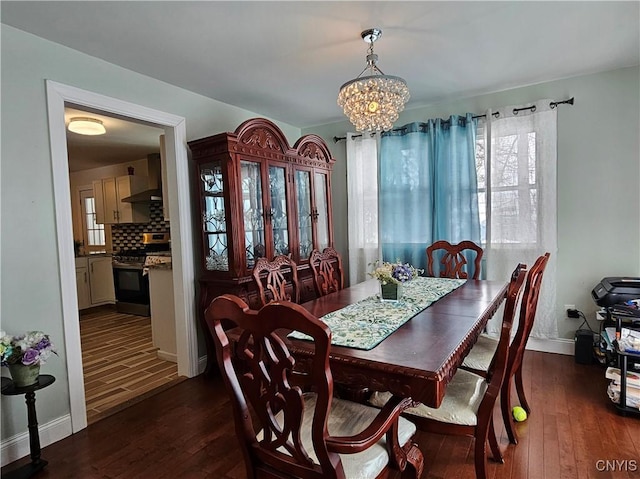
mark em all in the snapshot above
pixel 259 197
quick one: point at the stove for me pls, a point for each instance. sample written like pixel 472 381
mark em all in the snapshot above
pixel 130 280
pixel 130 259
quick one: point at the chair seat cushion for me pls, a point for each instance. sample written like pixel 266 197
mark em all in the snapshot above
pixel 481 354
pixel 348 418
pixel 459 406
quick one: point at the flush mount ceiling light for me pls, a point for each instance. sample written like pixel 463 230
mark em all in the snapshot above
pixel 373 102
pixel 86 126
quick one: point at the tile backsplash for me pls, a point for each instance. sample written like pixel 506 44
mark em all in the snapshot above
pixel 129 236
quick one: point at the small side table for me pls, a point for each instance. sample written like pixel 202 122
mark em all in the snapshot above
pixel 10 389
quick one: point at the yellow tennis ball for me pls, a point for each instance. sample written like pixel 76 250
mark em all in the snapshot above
pixel 519 414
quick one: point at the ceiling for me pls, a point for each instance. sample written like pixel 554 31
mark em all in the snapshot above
pixel 124 141
pixel 286 60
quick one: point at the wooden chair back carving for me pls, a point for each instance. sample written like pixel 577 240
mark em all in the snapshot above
pixel 263 381
pixel 271 279
pixel 454 263
pixel 328 275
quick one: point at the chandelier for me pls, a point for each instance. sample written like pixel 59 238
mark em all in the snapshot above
pixel 373 102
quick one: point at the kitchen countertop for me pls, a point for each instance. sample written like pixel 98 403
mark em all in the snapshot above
pixel 157 262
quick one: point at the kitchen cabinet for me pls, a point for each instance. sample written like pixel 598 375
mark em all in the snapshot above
pixel 108 194
pixel 101 280
pixel 94 281
pixel 82 283
pixel 259 197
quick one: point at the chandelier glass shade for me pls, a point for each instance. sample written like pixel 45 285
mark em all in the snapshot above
pixel 373 102
pixel 86 126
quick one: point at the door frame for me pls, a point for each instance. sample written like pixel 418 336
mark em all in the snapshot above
pixel 181 230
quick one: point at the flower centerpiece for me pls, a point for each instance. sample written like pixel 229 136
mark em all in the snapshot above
pixel 24 354
pixel 392 276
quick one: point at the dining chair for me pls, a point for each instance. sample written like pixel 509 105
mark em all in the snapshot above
pixel 479 358
pixel 328 275
pixel 287 421
pixel 454 261
pixel 467 407
pixel 271 279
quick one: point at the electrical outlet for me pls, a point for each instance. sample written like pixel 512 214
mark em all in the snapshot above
pixel 567 308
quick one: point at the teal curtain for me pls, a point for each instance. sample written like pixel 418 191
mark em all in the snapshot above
pixel 428 187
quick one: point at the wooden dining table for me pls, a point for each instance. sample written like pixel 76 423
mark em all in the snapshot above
pixel 419 359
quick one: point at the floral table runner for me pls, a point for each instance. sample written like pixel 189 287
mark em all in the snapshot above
pixel 363 325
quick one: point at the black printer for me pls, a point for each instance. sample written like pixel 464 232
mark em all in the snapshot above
pixel 616 290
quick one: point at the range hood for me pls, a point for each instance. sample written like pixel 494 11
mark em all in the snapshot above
pixel 144 196
pixel 154 193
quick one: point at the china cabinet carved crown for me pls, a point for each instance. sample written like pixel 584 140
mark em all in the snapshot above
pixel 260 197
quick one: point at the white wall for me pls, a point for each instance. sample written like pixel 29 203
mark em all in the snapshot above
pixel 598 177
pixel 31 291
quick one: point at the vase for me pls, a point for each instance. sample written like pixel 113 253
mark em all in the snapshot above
pixel 24 375
pixel 390 291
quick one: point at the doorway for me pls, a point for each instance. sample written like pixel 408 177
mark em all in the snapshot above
pixel 181 230
pixel 122 363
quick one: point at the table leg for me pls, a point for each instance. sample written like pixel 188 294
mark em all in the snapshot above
pixel 32 422
pixel 36 463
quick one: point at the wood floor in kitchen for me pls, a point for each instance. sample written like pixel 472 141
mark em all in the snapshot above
pixel 120 363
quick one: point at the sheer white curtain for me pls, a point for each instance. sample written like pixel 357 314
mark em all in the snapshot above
pixel 362 188
pixel 519 186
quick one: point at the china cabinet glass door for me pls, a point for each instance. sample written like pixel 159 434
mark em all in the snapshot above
pixel 278 215
pixel 214 224
pixel 321 212
pixel 252 211
pixel 305 227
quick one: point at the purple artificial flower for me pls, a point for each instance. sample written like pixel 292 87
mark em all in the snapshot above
pixel 403 272
pixel 30 356
pixel 43 344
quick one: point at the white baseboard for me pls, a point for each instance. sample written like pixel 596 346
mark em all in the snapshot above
pixel 17 447
pixel 165 356
pixel 557 346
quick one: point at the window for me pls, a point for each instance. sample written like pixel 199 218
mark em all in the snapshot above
pixel 513 200
pixel 516 169
pixel 93 233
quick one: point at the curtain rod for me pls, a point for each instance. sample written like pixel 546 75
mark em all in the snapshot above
pixel 496 114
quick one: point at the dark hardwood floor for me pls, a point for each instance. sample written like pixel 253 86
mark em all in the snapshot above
pixel 187 431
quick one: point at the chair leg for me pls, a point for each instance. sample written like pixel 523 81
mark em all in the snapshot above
pixel 505 407
pixel 416 460
pixel 493 444
pixel 520 389
pixel 480 455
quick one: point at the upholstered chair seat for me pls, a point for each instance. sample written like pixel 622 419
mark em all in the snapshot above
pixel 460 404
pixel 482 353
pixel 348 418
